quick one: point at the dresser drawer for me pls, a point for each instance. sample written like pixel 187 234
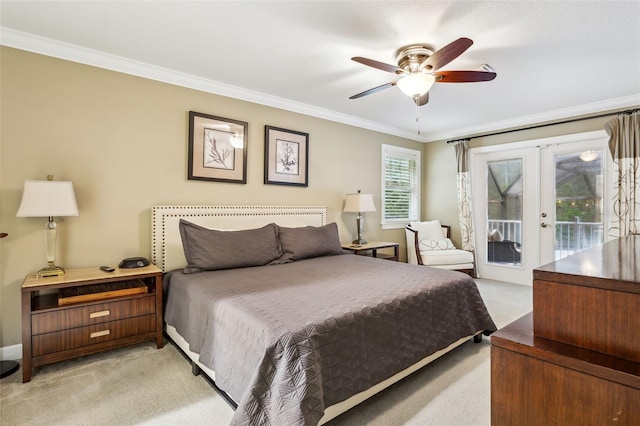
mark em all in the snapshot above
pixel 66 318
pixel 44 344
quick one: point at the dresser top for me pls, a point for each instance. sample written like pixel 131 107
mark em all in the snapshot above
pixel 614 265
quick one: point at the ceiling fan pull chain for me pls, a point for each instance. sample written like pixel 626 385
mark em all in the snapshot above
pixel 416 99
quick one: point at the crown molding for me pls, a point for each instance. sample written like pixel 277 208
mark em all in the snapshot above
pixel 70 52
pixel 528 120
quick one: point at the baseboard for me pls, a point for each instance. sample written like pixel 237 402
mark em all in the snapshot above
pixel 12 352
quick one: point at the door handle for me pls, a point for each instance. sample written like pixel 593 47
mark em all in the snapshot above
pixel 544 225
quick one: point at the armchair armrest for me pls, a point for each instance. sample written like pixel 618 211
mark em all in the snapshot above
pixel 413 246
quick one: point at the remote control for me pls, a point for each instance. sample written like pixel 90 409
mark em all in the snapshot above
pixel 107 268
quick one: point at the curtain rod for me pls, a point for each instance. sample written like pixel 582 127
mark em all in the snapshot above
pixel 628 112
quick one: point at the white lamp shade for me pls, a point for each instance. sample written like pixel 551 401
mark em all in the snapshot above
pixel 416 84
pixel 47 198
pixel 356 203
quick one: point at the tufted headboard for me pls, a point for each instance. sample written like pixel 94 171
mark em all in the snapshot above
pixel 166 244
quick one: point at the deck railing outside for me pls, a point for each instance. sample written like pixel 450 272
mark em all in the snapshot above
pixel 511 230
pixel 572 237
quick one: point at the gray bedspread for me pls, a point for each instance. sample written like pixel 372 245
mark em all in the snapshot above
pixel 286 341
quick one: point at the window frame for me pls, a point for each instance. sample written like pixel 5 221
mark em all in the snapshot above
pixel 404 153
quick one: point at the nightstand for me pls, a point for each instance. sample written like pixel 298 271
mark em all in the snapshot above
pixel 87 311
pixel 371 249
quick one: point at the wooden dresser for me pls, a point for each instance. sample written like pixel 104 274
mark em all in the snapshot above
pixel 88 311
pixel 576 358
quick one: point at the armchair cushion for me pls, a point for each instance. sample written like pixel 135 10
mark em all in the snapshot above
pixel 432 230
pixel 495 235
pixel 441 244
pixel 445 258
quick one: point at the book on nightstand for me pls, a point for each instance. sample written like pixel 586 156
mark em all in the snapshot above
pixel 67 296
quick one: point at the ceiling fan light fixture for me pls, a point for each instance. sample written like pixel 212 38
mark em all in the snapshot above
pixel 416 84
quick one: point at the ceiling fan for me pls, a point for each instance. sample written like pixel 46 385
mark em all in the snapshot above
pixel 418 67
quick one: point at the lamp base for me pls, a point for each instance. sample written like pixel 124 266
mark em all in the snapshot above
pixel 50 271
pixel 359 223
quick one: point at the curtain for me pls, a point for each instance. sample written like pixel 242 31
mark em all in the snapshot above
pixel 464 195
pixel 624 145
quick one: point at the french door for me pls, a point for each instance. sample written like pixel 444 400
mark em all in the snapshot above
pixel 538 201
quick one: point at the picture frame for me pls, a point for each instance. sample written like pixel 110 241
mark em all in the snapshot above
pixel 286 157
pixel 217 148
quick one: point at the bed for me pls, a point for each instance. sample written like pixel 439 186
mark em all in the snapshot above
pixel 303 337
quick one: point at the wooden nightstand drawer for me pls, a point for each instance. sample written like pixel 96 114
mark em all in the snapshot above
pixel 69 317
pixel 84 336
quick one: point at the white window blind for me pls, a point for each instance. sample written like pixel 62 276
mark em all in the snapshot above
pixel 400 186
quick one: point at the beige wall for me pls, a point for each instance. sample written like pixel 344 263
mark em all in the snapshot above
pixel 122 140
pixel 439 199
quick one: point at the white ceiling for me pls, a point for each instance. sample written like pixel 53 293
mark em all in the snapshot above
pixel 554 59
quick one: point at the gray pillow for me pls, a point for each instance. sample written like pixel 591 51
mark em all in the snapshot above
pixel 309 241
pixel 209 249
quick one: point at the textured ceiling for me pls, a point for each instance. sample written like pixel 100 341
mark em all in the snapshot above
pixel 554 59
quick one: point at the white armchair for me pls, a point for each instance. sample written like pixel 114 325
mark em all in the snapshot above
pixel 429 244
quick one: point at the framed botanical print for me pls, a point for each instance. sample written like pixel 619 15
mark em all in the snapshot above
pixel 217 148
pixel 286 157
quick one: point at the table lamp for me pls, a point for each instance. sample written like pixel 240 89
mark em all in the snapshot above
pixel 359 203
pixel 48 198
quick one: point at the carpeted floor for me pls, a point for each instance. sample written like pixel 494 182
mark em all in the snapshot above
pixel 143 385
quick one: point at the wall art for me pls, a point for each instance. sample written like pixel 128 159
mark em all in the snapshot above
pixel 286 157
pixel 217 148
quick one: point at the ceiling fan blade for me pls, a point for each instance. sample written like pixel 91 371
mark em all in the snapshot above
pixel 463 76
pixel 374 90
pixel 443 56
pixel 378 65
pixel 422 100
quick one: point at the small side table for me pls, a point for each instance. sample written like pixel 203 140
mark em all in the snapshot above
pixel 371 249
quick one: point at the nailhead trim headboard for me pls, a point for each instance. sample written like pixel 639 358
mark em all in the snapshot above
pixel 166 244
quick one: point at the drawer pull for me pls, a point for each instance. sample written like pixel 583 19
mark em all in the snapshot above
pixel 99 314
pixel 99 334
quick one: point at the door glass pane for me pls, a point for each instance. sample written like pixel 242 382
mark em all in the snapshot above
pixel 504 211
pixel 579 188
